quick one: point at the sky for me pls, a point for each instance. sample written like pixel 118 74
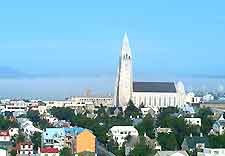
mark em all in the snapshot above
pixel 60 48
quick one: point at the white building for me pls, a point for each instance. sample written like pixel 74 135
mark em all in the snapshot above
pixel 25 148
pixel 192 99
pixel 119 133
pixel 171 153
pixel 91 100
pixel 16 106
pixel 212 152
pixel 158 94
pixel 3 151
pixel 208 98
pixel 194 121
pixel 149 94
pixel 4 136
pixel 219 127
pixel 13 131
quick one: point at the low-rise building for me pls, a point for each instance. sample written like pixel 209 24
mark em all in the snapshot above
pixel 5 136
pixel 171 153
pixel 3 151
pixel 194 142
pixel 76 138
pixel 120 133
pixel 25 148
pixel 212 152
pixel 194 121
pixel 49 151
pixel 219 127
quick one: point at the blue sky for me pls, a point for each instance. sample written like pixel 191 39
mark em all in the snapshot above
pixel 71 39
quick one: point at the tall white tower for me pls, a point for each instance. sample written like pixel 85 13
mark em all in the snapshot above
pixel 124 81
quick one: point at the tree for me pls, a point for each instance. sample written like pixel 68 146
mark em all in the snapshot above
pixel 5 123
pixel 63 113
pixel 146 126
pixel 20 138
pixel 34 116
pixel 65 152
pixel 167 141
pixel 207 122
pixel 13 152
pixel 142 149
pixel 217 141
pixel 131 110
pixel 36 140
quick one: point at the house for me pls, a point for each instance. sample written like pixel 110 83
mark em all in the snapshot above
pixel 48 151
pixel 25 148
pixel 193 121
pixel 3 151
pixel 76 138
pixel 119 133
pixel 171 153
pixel 212 152
pixel 27 126
pixel 5 136
pixel 13 131
pixel 219 127
pixel 194 142
pixel 85 141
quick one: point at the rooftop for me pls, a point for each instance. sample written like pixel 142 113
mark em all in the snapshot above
pixel 167 87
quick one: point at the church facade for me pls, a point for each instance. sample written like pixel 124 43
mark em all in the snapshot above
pixel 153 95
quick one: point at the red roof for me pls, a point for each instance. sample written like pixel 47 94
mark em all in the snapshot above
pixel 4 133
pixel 49 150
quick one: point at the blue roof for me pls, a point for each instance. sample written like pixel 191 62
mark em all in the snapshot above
pixel 61 132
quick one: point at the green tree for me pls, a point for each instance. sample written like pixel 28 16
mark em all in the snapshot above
pixel 132 110
pixel 36 140
pixel 13 152
pixel 217 141
pixel 167 141
pixel 34 116
pixel 63 113
pixel 20 138
pixel 207 122
pixel 65 152
pixel 5 123
pixel 142 149
pixel 146 126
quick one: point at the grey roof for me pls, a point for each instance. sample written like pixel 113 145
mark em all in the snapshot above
pixel 167 87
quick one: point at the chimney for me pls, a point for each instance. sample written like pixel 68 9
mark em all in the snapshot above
pixel 191 135
pixel 201 135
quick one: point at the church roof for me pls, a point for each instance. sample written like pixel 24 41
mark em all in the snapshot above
pixel 167 87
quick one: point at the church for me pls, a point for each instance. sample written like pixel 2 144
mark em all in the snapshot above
pixel 153 95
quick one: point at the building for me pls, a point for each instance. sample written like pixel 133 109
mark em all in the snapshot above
pixel 212 152
pixel 158 94
pixel 124 80
pixel 194 142
pixel 92 101
pixel 76 138
pixel 5 136
pixel 25 148
pixel 119 133
pixel 219 127
pixel 3 151
pixel 85 142
pixel 148 94
pixel 171 153
pixel 192 99
pixel 194 121
pixel 48 151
